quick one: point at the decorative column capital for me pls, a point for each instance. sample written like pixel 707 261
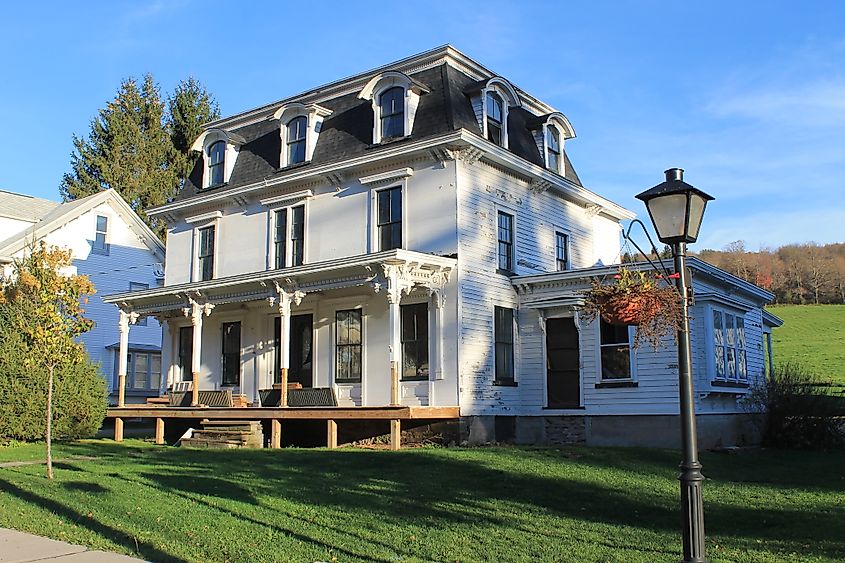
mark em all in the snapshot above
pixel 127 318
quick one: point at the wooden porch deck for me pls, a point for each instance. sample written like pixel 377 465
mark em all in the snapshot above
pixel 395 414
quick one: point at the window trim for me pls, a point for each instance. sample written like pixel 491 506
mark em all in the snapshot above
pixel 334 334
pixel 132 354
pixel 197 246
pixel 287 207
pixel 288 143
pixel 377 103
pixel 492 92
pixel 513 381
pixel 567 250
pixel 221 164
pixel 375 241
pixel 550 130
pixel 178 355
pixel 710 345
pixel 427 336
pixel 632 356
pixel 106 249
pixel 314 115
pixel 223 323
pixel 512 269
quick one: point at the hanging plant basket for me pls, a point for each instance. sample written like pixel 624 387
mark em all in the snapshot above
pixel 639 299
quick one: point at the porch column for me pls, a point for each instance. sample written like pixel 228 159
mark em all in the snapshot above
pixel 437 343
pixel 126 318
pixel 284 345
pixel 398 282
pixel 196 312
pixel 166 355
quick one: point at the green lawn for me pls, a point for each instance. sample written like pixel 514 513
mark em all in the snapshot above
pixel 812 335
pixel 495 504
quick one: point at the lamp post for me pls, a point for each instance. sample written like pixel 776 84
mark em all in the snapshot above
pixel 676 209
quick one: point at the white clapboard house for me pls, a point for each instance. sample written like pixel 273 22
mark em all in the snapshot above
pixel 424 217
pixel 116 250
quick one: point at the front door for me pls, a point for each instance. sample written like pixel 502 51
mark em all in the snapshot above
pixel 301 350
pixel 563 358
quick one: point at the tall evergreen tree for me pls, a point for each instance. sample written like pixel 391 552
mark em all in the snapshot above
pixel 189 108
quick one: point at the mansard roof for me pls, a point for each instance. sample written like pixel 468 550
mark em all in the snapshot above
pixel 445 106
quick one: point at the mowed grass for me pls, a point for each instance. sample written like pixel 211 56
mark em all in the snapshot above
pixel 813 336
pixel 483 504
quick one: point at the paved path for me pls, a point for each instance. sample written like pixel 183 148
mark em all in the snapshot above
pixel 18 547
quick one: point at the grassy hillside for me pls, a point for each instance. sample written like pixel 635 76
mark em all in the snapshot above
pixel 813 335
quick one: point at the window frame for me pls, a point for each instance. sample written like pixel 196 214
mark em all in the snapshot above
pixel 493 95
pixel 223 354
pixel 739 352
pixel 198 270
pixel 131 370
pixel 337 346
pixel 403 94
pixel 189 375
pixel 497 342
pixel 106 247
pixel 512 243
pixel 421 341
pixel 567 254
pixel 632 355
pixel 299 141
pixel 289 242
pixel 553 132
pixel 211 166
pixel 400 189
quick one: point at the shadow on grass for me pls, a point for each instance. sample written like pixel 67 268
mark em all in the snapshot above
pixel 84 487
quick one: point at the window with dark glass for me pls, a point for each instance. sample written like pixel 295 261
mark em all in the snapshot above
pixel 561 251
pixel 297 235
pixel 505 230
pixel 503 334
pixel 553 149
pixel 615 351
pixel 414 336
pixel 186 352
pixel 216 159
pixel 297 128
pixel 392 112
pixel 206 253
pixel 231 353
pixel 494 118
pixel 729 346
pixel 348 346
pixel 280 238
pixel 137 286
pixel 390 218
pixel 101 232
pixel 143 370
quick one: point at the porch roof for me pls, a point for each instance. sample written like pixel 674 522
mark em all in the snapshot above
pixel 417 269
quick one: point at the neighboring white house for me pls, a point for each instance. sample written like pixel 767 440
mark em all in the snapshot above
pixel 116 250
pixel 409 218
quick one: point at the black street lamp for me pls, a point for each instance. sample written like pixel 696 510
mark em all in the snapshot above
pixel 676 209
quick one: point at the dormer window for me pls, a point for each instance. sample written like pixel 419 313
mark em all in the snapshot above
pixel 494 119
pixel 300 126
pixel 297 129
pixel 216 163
pixel 395 97
pixel 553 149
pixel 392 112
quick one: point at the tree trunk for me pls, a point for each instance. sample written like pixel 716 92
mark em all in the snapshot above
pixel 49 422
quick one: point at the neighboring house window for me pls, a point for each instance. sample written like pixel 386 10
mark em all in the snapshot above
pixel 392 112
pixel 505 229
pixel 186 352
pixel 205 254
pixel 101 234
pixel 143 370
pixel 553 149
pixel 216 163
pixel 293 230
pixel 414 336
pixel 615 351
pixel 137 286
pixel 389 203
pixel 729 346
pixel 561 251
pixel 231 353
pixel 297 129
pixel 495 124
pixel 348 346
pixel 503 335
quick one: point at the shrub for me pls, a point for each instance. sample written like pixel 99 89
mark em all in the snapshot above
pixel 79 401
pixel 798 409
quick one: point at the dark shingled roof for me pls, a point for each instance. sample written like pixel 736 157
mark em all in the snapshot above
pixel 348 131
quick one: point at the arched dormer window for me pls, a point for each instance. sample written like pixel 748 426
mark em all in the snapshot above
pixel 299 130
pixel 395 97
pixel 219 150
pixel 550 133
pixel 296 134
pixel 553 160
pixel 392 112
pixel 494 119
pixel 216 162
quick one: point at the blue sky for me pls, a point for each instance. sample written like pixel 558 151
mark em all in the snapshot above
pixel 748 97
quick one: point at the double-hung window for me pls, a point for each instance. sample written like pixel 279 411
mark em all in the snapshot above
pixel 561 251
pixel 101 233
pixel 414 332
pixel 729 346
pixel 297 129
pixel 186 352
pixel 348 346
pixel 389 224
pixel 216 163
pixel 231 353
pixel 553 149
pixel 503 337
pixel 205 253
pixel 615 351
pixel 392 112
pixel 505 236
pixel 289 225
pixel 143 370
pixel 495 119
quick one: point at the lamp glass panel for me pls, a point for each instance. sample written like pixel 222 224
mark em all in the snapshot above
pixel 668 212
pixel 696 213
